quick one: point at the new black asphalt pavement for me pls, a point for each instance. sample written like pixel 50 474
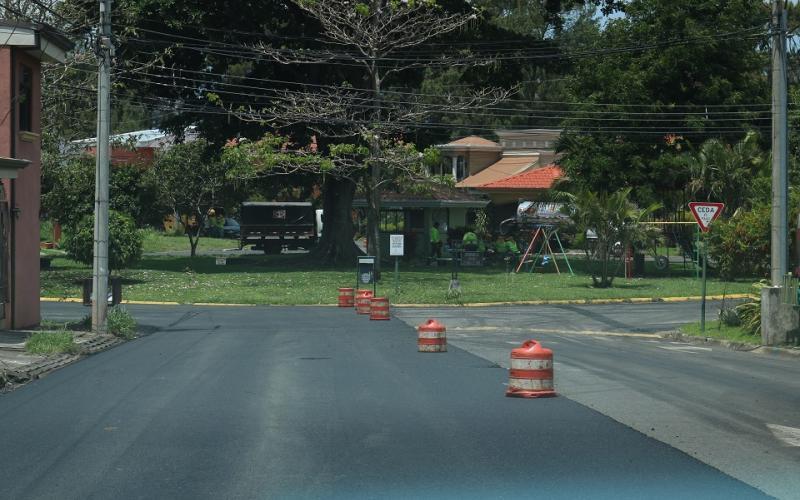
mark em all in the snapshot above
pixel 316 403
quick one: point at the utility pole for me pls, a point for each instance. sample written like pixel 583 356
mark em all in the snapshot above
pixel 780 227
pixel 100 267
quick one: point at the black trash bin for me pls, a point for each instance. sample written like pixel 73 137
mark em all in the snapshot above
pixel 114 284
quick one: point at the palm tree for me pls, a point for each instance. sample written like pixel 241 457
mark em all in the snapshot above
pixel 613 218
pixel 725 173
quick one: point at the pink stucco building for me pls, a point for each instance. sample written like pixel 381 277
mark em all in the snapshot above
pixel 23 48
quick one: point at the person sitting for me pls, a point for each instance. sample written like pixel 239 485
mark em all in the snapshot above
pixel 500 245
pixel 511 246
pixel 470 241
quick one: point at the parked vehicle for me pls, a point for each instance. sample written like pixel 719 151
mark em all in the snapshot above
pixel 273 226
pixel 231 229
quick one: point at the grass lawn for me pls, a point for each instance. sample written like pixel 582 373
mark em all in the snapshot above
pixel 293 279
pixel 718 330
pixel 155 241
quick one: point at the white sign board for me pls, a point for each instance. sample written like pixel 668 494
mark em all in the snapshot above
pixel 396 245
pixel 705 213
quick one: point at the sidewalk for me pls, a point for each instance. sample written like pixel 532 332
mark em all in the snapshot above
pixel 18 366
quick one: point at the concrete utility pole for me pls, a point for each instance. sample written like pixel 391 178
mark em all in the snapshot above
pixel 780 227
pixel 100 268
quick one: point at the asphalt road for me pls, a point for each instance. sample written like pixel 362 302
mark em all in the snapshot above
pixel 315 402
pixel 737 411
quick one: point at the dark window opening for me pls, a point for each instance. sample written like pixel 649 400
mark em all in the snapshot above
pixel 461 168
pixel 25 98
pixel 392 221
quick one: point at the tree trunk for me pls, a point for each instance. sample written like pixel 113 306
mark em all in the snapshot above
pixel 336 245
pixel 373 227
pixel 193 240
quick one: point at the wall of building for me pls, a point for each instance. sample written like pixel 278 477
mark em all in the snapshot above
pixel 5 101
pixel 5 150
pixel 23 193
pixel 479 160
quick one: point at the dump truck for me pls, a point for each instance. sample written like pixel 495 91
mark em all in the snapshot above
pixel 273 226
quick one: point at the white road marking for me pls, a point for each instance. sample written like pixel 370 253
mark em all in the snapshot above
pixel 553 331
pixel 688 348
pixel 790 436
pixel 676 349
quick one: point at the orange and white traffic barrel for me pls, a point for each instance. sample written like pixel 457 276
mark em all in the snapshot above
pixel 363 301
pixel 379 308
pixel 531 373
pixel 431 337
pixel 346 298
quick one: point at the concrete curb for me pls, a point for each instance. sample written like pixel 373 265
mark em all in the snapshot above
pixel 793 352
pixel 634 300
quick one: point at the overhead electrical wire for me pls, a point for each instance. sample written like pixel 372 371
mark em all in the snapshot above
pixel 705 107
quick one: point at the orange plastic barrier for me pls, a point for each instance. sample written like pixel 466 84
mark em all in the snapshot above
pixel 431 337
pixel 379 308
pixel 531 373
pixel 346 298
pixel 363 301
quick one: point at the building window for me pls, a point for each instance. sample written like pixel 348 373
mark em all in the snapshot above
pixel 25 99
pixel 461 168
pixel 392 221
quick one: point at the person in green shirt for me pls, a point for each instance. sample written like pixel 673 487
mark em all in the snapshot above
pixel 470 241
pixel 511 246
pixel 500 245
pixel 436 241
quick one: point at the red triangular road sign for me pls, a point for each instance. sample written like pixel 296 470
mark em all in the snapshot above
pixel 705 213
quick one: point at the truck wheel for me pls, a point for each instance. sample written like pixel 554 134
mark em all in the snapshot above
pixel 662 262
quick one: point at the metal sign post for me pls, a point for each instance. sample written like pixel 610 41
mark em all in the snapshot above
pixel 704 213
pixel 396 251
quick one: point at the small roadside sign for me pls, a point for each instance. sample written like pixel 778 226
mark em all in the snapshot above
pixel 705 213
pixel 395 245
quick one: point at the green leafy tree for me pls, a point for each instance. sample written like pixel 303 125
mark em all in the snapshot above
pixel 343 163
pixel 69 195
pixel 728 174
pixel 611 218
pixel 124 241
pixel 188 175
pixel 740 245
pixel 672 70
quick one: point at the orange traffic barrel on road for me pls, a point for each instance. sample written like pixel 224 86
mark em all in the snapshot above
pixel 431 337
pixel 531 373
pixel 346 298
pixel 379 308
pixel 363 301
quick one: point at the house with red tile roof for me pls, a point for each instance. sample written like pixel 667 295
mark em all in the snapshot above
pixel 519 166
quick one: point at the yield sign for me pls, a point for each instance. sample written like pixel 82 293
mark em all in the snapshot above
pixel 705 213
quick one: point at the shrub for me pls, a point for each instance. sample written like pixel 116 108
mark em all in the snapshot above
pixel 750 312
pixel 729 317
pixel 45 230
pixel 50 343
pixel 740 245
pixel 124 246
pixel 121 323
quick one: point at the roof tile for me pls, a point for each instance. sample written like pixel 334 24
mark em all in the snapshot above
pixel 539 178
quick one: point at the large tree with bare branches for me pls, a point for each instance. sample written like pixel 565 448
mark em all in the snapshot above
pixel 385 38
